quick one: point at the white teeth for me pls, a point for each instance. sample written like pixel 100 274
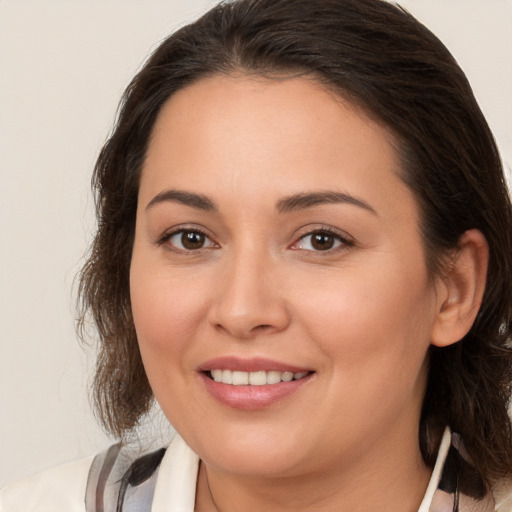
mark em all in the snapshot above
pixel 261 378
pixel 240 378
pixel 273 377
pixel 217 375
pixel 287 376
pixel 257 378
pixel 227 376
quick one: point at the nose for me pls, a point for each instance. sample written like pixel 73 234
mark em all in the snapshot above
pixel 250 301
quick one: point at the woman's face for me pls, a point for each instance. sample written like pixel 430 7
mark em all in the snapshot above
pixel 275 240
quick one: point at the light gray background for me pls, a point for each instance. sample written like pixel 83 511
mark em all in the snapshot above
pixel 63 67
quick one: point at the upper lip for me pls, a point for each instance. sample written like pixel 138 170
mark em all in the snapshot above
pixel 254 364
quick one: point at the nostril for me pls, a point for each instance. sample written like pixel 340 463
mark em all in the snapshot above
pixel 263 327
pixel 242 331
pixel 245 317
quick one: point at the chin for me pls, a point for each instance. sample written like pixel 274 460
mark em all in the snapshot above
pixel 252 452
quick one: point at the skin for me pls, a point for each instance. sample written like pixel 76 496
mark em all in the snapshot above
pixel 361 315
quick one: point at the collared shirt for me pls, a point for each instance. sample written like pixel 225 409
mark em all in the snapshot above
pixel 92 485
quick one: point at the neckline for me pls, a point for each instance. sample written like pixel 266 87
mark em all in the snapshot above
pixel 177 477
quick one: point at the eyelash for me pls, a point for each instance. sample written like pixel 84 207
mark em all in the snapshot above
pixel 340 242
pixel 343 241
pixel 167 237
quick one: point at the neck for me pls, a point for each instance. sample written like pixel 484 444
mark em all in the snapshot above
pixel 389 482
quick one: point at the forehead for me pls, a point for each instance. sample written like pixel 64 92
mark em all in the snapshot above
pixel 285 109
pixel 244 135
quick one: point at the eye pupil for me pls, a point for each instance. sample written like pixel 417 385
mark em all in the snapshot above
pixel 192 239
pixel 322 241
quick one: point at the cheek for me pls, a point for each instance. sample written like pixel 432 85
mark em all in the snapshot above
pixel 167 310
pixel 371 323
pixel 375 338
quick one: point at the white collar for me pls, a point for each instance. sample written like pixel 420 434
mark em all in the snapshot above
pixel 177 477
pixel 438 469
pixel 175 489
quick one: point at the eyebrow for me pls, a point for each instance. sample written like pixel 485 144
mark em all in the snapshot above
pixel 285 205
pixel 310 199
pixel 198 201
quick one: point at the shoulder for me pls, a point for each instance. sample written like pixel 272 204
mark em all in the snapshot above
pixel 90 484
pixel 138 481
pixel 502 492
pixel 59 488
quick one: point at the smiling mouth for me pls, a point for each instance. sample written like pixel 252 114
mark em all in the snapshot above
pixel 259 378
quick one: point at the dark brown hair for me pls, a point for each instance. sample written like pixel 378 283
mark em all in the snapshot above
pixel 378 56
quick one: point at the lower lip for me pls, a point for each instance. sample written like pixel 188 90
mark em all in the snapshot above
pixel 251 398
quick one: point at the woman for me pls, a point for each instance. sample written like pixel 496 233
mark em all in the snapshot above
pixel 303 255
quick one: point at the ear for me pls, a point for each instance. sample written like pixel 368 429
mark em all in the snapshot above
pixel 460 289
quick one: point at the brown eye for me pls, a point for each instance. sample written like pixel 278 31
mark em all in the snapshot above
pixel 189 240
pixel 322 241
pixel 192 240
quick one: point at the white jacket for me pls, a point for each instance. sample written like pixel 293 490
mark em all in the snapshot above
pixel 74 487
